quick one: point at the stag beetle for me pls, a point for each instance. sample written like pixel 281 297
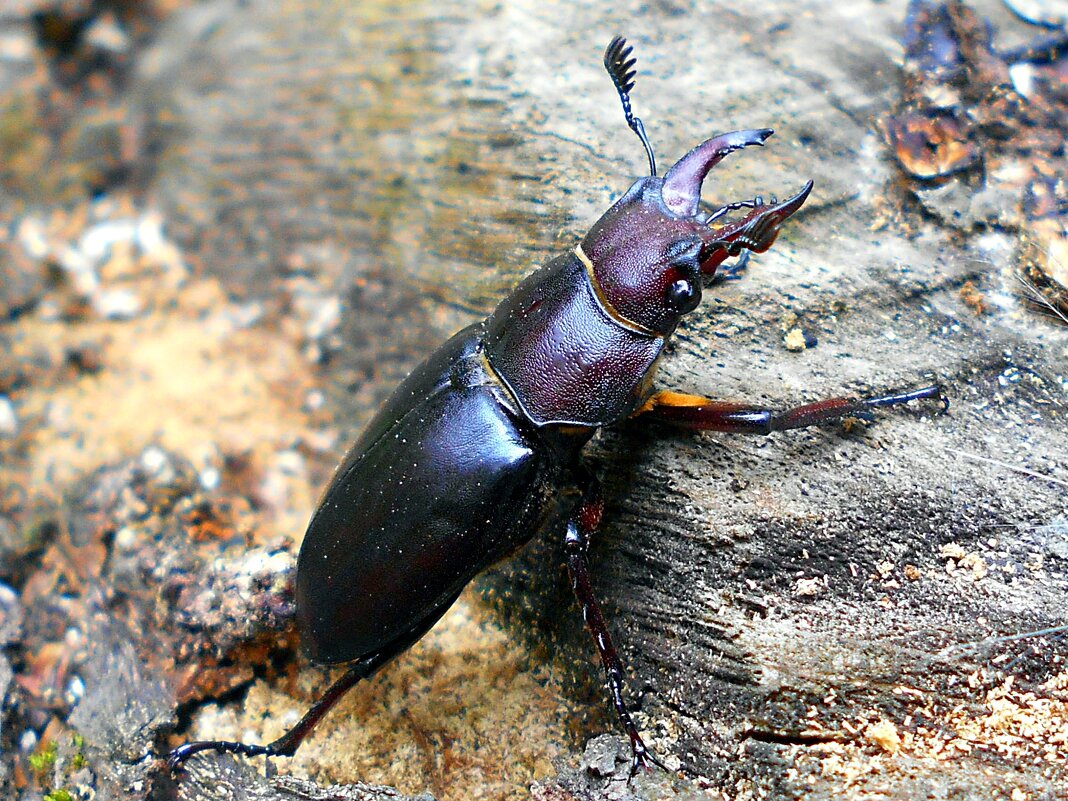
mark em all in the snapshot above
pixel 479 447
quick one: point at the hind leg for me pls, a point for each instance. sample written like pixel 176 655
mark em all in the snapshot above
pixel 288 743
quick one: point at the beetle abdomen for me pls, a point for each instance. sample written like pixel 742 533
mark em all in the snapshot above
pixel 450 486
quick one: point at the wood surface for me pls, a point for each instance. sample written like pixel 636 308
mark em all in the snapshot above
pixel 817 614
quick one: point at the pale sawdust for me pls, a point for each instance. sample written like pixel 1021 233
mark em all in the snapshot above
pixel 998 731
pixel 466 714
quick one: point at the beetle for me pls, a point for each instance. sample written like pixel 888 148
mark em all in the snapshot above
pixel 480 446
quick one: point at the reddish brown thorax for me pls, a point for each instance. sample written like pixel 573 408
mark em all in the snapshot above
pixel 578 340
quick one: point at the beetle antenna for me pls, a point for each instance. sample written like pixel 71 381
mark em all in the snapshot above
pixel 620 66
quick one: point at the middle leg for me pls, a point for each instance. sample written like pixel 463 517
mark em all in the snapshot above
pixel 580 525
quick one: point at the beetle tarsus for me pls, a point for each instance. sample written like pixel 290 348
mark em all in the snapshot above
pixel 288 743
pixel 581 525
pixel 932 392
pixel 179 755
pixel 734 271
pixel 642 759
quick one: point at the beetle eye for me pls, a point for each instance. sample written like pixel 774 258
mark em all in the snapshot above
pixel 683 296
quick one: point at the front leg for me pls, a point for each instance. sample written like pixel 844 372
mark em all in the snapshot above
pixel 582 523
pixel 698 413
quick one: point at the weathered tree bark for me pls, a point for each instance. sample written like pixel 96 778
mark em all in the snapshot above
pixel 813 613
pixel 772 596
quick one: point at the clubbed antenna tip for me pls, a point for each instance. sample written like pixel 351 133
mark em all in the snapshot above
pixel 620 66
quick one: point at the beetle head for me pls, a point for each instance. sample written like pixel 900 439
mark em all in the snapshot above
pixel 650 250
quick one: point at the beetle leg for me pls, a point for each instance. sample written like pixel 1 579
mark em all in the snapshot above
pixel 580 525
pixel 734 271
pixel 704 414
pixel 288 743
